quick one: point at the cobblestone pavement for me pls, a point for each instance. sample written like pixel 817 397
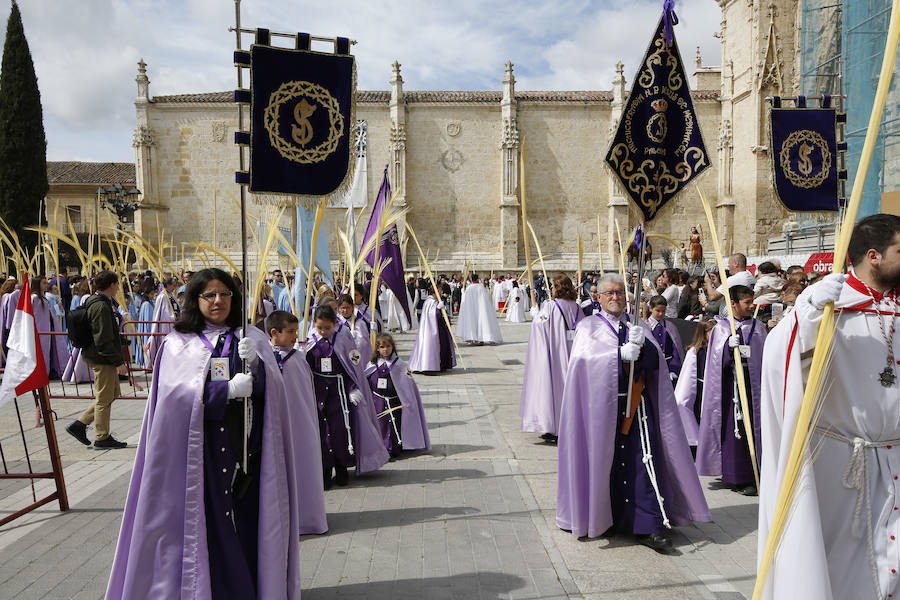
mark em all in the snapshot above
pixel 473 518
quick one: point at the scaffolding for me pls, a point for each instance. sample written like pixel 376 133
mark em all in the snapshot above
pixel 842 48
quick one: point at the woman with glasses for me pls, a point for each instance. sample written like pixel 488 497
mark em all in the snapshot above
pixel 547 360
pixel 196 522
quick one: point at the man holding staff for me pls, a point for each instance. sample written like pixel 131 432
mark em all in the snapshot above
pixel 841 537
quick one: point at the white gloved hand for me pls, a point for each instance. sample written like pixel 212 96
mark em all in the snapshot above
pixel 630 352
pixel 827 290
pixel 247 351
pixel 240 386
pixel 636 335
pixel 356 396
pixel 734 341
pixel 673 376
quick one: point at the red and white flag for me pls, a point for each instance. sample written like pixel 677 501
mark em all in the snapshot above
pixel 25 369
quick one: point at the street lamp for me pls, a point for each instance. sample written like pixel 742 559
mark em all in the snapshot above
pixel 120 201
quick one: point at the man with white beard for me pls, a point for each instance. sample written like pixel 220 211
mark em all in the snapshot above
pixel 840 538
pixel 477 320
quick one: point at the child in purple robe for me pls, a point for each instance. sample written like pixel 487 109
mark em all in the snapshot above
pixel 283 328
pixel 347 426
pixel 355 326
pixel 666 335
pixel 393 388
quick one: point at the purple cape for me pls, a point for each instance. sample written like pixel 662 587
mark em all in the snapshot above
pixel 300 407
pixel 709 442
pixel 545 366
pixel 413 428
pixel 77 371
pixel 56 352
pixel 587 433
pixel 426 353
pixel 162 549
pixel 7 312
pixel 370 453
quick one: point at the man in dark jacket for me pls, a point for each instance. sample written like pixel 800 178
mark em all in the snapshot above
pixel 107 361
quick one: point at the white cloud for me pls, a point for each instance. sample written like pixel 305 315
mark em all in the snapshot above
pixel 85 52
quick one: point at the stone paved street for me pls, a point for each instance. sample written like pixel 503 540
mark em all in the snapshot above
pixel 473 518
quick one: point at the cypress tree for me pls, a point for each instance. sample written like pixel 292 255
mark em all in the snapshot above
pixel 23 146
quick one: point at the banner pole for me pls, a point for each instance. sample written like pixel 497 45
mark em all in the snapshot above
pixel 243 192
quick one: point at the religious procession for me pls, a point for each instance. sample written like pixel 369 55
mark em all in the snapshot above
pixel 279 389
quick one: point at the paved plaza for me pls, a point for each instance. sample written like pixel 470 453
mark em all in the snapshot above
pixel 473 518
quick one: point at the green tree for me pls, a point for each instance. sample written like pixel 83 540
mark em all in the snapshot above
pixel 23 146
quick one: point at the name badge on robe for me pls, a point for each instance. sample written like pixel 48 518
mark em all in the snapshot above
pixel 382 383
pixel 570 334
pixel 744 350
pixel 218 369
pixel 326 364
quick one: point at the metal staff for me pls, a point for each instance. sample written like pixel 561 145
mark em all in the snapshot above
pixel 240 82
pixel 634 316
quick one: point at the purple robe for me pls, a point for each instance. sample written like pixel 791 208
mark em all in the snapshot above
pixel 433 350
pixel 56 352
pixel 165 310
pixel 369 451
pixel 669 341
pixel 77 371
pixel 719 451
pixel 301 408
pixel 163 547
pixel 546 364
pixel 413 428
pixel 589 433
pixel 7 312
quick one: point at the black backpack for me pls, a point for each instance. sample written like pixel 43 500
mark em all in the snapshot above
pixel 79 326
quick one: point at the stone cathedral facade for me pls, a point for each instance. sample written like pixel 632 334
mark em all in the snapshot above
pixel 454 157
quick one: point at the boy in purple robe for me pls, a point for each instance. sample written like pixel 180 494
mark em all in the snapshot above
pixel 722 448
pixel 666 335
pixel 433 351
pixel 347 424
pixel 393 388
pixel 624 462
pixel 283 328
pixel 197 524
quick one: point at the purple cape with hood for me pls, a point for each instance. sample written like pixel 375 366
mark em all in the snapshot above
pixel 162 549
pixel 56 352
pixel 587 434
pixel 545 366
pixel 369 451
pixel 432 335
pixel 413 428
pixel 300 406
pixel 709 441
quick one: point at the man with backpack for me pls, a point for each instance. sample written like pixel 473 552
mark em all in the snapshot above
pixel 97 334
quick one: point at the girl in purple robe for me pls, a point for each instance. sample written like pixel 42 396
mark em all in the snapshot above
pixel 666 335
pixel 355 327
pixel 196 523
pixel 347 424
pixel 393 388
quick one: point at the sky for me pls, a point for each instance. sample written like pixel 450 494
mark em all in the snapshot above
pixel 86 51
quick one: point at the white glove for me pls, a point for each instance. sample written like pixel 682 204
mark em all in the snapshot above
pixel 356 396
pixel 636 335
pixel 240 386
pixel 630 352
pixel 247 351
pixel 827 290
pixel 734 341
pixel 673 376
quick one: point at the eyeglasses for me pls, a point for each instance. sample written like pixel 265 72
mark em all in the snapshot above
pixel 611 293
pixel 214 295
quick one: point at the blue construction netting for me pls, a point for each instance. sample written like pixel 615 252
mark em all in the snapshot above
pixel 851 62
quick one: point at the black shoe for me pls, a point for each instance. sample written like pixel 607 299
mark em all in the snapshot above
pixel 110 443
pixel 546 436
pixel 341 477
pixel 77 430
pixel 552 440
pixel 657 541
pixel 749 490
pixel 326 478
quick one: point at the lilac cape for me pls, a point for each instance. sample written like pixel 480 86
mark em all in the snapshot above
pixel 77 371
pixel 300 406
pixel 545 366
pixel 369 450
pixel 677 346
pixel 7 312
pixel 587 433
pixel 56 352
pixel 426 352
pixel 709 440
pixel 361 336
pixel 162 549
pixel 686 395
pixel 413 428
pixel 162 311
